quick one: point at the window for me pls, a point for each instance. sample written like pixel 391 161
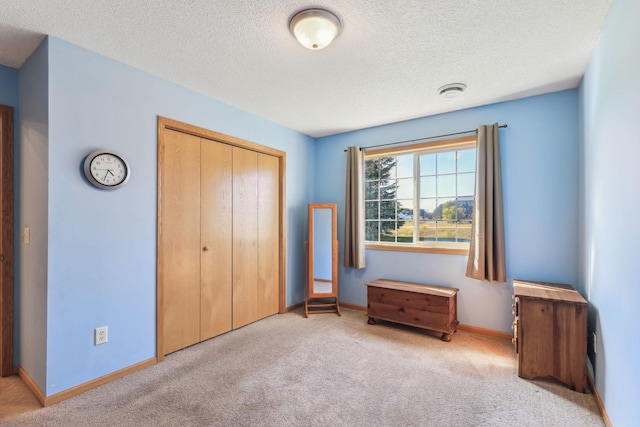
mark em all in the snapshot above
pixel 421 197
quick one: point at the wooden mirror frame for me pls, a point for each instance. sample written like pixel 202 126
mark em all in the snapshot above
pixel 322 302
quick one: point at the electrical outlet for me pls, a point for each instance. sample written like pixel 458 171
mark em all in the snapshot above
pixel 595 343
pixel 102 335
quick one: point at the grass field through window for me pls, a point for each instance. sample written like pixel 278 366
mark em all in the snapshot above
pixel 430 231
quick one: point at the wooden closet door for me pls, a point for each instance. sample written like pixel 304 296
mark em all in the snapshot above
pixel 245 236
pixel 268 235
pixel 179 243
pixel 216 238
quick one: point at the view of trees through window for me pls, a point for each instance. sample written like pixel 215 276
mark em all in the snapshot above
pixel 420 197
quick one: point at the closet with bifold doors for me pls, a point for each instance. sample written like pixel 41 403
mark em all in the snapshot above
pixel 220 246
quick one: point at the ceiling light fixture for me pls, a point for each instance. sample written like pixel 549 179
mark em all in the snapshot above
pixel 315 29
pixel 452 90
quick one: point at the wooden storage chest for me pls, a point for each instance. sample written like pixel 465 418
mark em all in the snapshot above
pixel 550 332
pixel 423 306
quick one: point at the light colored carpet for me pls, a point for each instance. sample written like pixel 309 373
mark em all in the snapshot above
pixel 327 370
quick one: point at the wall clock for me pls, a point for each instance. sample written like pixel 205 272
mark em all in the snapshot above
pixel 106 169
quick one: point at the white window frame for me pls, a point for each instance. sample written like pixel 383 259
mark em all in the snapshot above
pixel 445 145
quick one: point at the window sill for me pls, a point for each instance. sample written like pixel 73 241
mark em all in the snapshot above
pixel 451 248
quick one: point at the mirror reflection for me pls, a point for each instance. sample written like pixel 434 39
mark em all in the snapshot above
pixel 322 266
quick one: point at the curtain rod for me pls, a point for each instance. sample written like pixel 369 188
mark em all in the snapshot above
pixel 425 138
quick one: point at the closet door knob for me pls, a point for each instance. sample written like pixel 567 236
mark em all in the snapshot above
pixel 206 248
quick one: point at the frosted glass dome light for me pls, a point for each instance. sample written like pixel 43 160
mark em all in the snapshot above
pixel 315 29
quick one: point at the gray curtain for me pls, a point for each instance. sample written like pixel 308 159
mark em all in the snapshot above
pixel 354 232
pixel 487 250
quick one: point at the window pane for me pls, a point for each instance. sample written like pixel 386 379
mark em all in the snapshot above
pixel 388 210
pixel 405 232
pixel 405 210
pixel 388 231
pixel 428 187
pixel 447 231
pixel 372 230
pixel 466 184
pixel 447 162
pixel 427 164
pixel 446 185
pixel 467 160
pixel 405 189
pixel 427 207
pixel 380 168
pixel 371 190
pixel 371 210
pixel 427 230
pixel 464 231
pixel 371 169
pixel 388 168
pixel 465 208
pixel 405 166
pixel 446 209
pixel 388 189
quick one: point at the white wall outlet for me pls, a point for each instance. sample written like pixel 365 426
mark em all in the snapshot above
pixel 595 343
pixel 26 235
pixel 102 335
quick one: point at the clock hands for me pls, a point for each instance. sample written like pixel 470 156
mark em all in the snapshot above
pixel 107 174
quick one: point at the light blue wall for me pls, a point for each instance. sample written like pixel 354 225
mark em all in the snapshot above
pixel 540 181
pixel 610 202
pixel 102 245
pixel 8 86
pixel 33 152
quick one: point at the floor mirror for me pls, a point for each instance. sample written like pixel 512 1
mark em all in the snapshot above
pixel 322 260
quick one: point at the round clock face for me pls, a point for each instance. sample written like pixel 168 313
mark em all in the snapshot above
pixel 106 169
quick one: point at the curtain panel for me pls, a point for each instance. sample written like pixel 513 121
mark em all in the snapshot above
pixel 487 248
pixel 354 231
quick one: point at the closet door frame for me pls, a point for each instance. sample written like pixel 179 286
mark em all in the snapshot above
pixel 6 242
pixel 166 123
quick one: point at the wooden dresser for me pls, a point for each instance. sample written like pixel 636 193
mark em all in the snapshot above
pixel 550 332
pixel 424 306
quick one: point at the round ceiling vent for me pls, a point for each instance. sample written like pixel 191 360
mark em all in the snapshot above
pixel 452 90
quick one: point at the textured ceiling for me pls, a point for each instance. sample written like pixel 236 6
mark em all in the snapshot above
pixel 385 67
